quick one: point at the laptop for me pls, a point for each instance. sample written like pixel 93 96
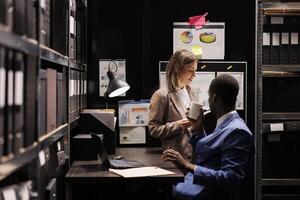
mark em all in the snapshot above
pixel 112 163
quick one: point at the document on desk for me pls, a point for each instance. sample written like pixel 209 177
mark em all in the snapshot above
pixel 141 172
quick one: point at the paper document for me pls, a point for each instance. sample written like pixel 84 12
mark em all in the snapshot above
pixel 141 172
pixel 239 76
pixel 134 113
pixel 105 116
pixel 133 135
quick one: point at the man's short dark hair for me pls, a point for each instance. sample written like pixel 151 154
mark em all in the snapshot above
pixel 226 87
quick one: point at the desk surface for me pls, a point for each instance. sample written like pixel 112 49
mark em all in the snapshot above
pixel 93 171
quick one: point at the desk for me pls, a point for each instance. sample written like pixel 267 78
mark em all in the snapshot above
pixel 83 174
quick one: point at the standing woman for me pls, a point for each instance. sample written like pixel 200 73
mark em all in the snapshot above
pixel 167 119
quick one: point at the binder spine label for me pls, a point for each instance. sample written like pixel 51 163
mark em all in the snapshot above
pixel 19 80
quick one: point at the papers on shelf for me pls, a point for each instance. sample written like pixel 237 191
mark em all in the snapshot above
pixel 105 116
pixel 141 172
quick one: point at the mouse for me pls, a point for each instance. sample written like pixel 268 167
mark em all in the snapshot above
pixel 118 157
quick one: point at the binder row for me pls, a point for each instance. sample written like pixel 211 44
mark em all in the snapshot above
pixel 54 16
pixel 52 106
pixel 16 130
pixel 19 16
pixel 77 93
pixel 281 48
pixel 77 27
pixel 21 191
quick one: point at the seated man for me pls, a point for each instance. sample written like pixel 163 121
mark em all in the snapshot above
pixel 221 157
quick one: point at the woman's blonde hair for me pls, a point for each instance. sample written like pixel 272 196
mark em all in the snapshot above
pixel 176 62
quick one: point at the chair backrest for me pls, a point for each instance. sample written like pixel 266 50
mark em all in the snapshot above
pixel 246 191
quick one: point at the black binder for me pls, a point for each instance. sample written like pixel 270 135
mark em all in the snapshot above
pixel 72 30
pixel 284 48
pixel 64 96
pixel 18 106
pixel 30 100
pixel 51 190
pixel 60 101
pixel 31 18
pixel 7 13
pixel 266 48
pixel 45 22
pixel 20 16
pixel 2 98
pixel 275 49
pixel 294 48
pixel 59 24
pixel 42 114
pixel 8 139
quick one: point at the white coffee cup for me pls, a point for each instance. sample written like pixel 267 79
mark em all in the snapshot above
pixel 194 111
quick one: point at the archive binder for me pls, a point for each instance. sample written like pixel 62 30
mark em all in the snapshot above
pixel 51 99
pixel 19 17
pixel 2 99
pixel 61 99
pixel 275 49
pixel 30 100
pixel 59 24
pixel 294 48
pixel 42 114
pixel 6 14
pixel 51 190
pixel 266 48
pixel 59 110
pixel 31 18
pixel 45 22
pixel 284 48
pixel 72 30
pixel 9 102
pixel 18 108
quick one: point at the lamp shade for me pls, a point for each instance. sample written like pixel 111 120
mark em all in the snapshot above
pixel 116 86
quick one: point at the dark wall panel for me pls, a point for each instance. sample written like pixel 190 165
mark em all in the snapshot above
pixel 141 31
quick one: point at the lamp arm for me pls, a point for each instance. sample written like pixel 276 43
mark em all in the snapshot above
pixel 106 97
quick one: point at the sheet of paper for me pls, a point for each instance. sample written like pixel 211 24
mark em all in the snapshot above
pixel 239 76
pixel 134 113
pixel 207 42
pixel 133 135
pixel 276 127
pixel 141 172
pixel 9 194
pixel 201 83
pixel 105 116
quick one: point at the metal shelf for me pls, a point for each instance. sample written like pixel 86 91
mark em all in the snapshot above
pixel 283 116
pixel 271 8
pixel 53 56
pixel 74 123
pixel 9 166
pixel 77 66
pixel 290 181
pixel 281 68
pixel 21 43
pixel 53 136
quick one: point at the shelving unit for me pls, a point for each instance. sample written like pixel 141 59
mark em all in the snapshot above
pixel 38 47
pixel 277 123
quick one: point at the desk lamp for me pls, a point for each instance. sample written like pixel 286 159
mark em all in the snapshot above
pixel 116 86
